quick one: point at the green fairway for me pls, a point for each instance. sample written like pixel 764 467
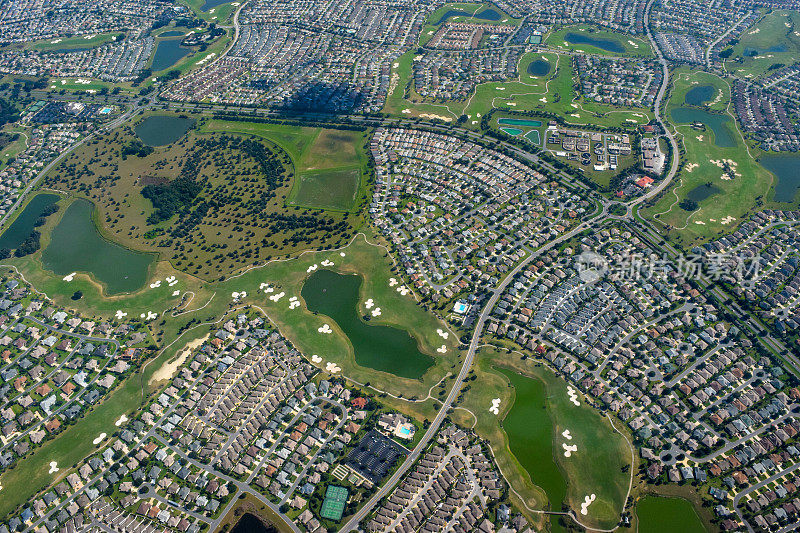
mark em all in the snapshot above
pixel 771 43
pixel 589 39
pixel 732 170
pixel 535 410
pixel 667 515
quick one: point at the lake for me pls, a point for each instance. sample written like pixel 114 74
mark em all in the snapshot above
pixel 723 135
pixel 251 524
pixel 667 515
pixel 77 246
pixel 699 95
pixel 534 137
pixel 538 68
pixel 530 438
pixel 787 169
pixel 384 348
pixel 608 45
pixel 702 192
pixel 211 4
pixel 519 122
pixel 167 53
pixel 23 225
pixel 752 52
pixel 491 15
pixel 160 130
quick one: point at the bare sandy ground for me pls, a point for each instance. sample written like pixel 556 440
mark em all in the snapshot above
pixel 169 368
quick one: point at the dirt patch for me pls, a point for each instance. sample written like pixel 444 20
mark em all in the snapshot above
pixel 169 368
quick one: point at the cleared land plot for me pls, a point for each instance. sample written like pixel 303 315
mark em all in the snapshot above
pixel 327 189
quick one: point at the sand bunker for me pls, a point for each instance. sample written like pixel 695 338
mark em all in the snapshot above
pixel 176 293
pixel 333 368
pixel 573 396
pixel 442 334
pixel 69 277
pixel 586 502
pixel 325 328
pixel 691 166
pixel 156 284
pixel 276 297
pixel 569 449
pixel 121 420
pixel 442 349
pixel 312 268
pixel 369 303
pixel 341 254
pixel 99 439
pixel 403 290
pixel 376 311
pixel 566 434
pixel 316 359
pixel 168 369
pixel 495 408
pixel 53 467
pixel 120 314
pixel 392 282
pixel 327 263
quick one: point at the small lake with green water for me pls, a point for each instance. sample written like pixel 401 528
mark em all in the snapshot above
pixel 530 437
pixel 77 246
pixel 23 225
pixel 667 515
pixel 699 95
pixel 519 122
pixel 161 130
pixel 719 123
pixel 167 53
pixel 787 169
pixel 702 192
pixel 385 348
pixel 512 131
pixel 608 45
pixel 538 68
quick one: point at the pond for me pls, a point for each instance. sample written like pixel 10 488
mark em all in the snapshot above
pixel 491 15
pixel 752 52
pixel 699 95
pixel 167 53
pixel 702 192
pixel 160 130
pixel 538 68
pixel 609 45
pixel 77 246
pixel 534 137
pixel 667 515
pixel 211 4
pixel 530 438
pixel 23 225
pixel 719 123
pixel 519 122
pixel 249 523
pixel 384 348
pixel 512 131
pixel 787 169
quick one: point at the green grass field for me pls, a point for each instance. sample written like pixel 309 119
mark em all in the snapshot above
pixel 327 189
pixel 597 466
pixel 772 42
pixel 702 165
pixel 632 46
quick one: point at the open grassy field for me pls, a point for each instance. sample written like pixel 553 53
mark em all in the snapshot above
pixel 218 14
pixel 703 165
pixel 772 42
pixel 327 189
pixel 601 464
pixel 66 43
pixel 239 217
pixel 629 45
